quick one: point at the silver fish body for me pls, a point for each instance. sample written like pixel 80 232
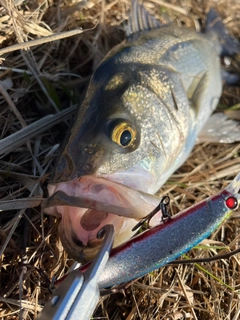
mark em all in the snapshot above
pixel 166 84
pixel 143 109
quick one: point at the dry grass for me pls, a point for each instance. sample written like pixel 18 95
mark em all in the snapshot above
pixel 43 79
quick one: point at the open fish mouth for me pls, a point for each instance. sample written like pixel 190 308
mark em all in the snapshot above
pixel 89 203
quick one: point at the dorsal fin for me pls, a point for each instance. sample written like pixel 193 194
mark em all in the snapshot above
pixel 229 44
pixel 140 19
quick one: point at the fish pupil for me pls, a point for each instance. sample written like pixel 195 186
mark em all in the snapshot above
pixel 125 138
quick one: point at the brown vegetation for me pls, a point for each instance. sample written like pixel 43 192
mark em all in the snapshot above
pixel 47 77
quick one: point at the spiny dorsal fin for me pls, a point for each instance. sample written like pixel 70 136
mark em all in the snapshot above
pixel 140 19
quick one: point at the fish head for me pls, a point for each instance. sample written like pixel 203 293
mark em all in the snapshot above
pixel 111 139
pixel 102 129
pixel 115 132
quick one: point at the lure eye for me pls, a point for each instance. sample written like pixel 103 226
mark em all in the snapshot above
pixel 232 203
pixel 124 134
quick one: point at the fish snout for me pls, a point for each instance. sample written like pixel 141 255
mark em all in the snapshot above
pixel 63 170
pixel 73 164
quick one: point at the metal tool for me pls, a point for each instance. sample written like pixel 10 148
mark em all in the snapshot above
pixel 78 294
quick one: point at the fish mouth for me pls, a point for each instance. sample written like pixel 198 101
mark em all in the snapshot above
pixel 89 203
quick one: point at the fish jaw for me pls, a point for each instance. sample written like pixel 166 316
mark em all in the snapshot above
pixel 102 202
pixel 83 245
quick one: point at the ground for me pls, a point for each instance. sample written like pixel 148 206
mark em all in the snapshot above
pixel 49 77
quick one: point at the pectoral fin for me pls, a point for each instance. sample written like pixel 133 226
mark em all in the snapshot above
pixel 220 129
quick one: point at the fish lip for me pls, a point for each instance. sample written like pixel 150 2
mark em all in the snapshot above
pixel 77 251
pixel 71 241
pixel 101 194
pixel 119 196
pixel 83 252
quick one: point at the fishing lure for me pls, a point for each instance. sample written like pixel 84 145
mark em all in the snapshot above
pixel 166 242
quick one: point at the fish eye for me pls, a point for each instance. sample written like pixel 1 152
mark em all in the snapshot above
pixel 123 133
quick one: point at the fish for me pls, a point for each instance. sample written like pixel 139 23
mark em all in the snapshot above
pixel 143 110
pixel 162 244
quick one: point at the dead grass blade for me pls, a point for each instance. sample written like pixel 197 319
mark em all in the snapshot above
pixel 11 142
pixel 22 203
pixel 48 39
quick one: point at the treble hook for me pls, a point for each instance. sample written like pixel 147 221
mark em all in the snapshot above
pixel 161 206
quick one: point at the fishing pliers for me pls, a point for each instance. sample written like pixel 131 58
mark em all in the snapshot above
pixel 78 294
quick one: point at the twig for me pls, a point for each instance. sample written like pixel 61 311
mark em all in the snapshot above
pixel 171 6
pixel 217 257
pixel 12 106
pixel 37 42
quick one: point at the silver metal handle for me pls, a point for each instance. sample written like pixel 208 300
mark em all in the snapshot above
pixel 78 295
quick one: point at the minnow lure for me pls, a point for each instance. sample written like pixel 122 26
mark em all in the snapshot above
pixel 166 242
